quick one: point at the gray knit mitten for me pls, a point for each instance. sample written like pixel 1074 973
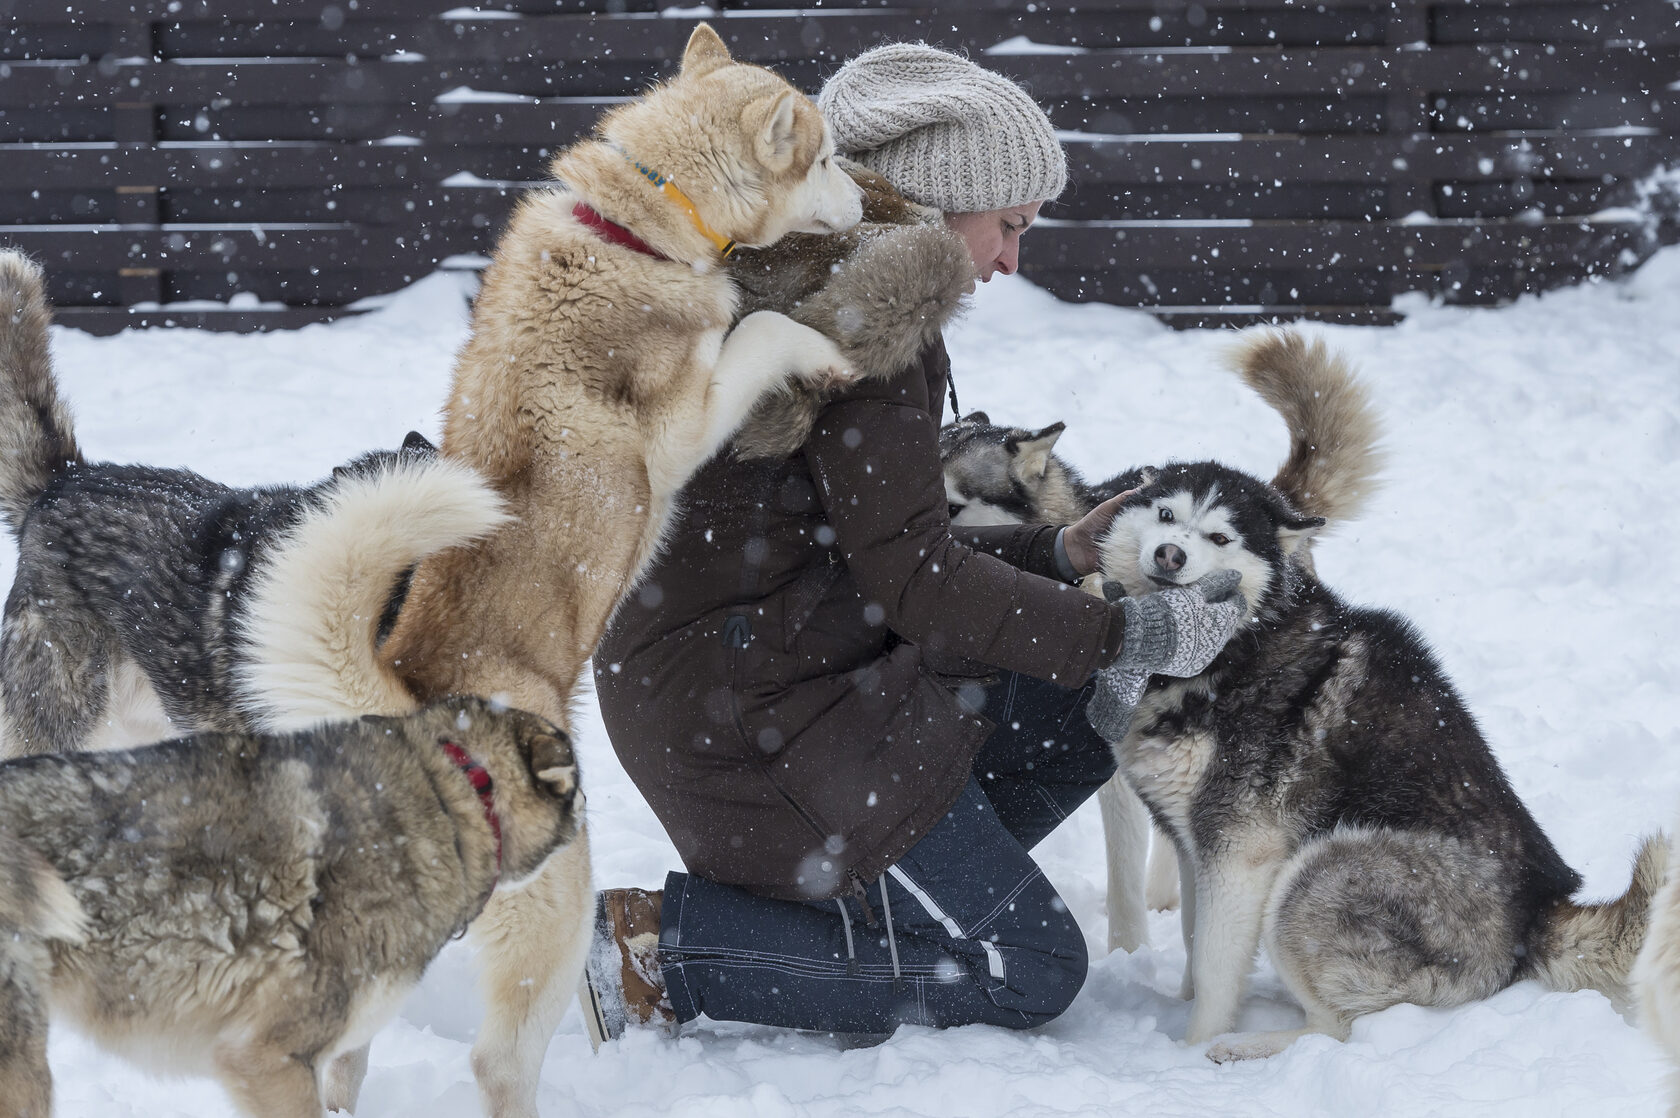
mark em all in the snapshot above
pixel 1180 630
pixel 1113 700
pixel 1175 632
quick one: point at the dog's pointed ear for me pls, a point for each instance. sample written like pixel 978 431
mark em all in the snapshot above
pixel 778 134
pixel 1032 454
pixel 551 758
pixel 705 52
pixel 1295 532
pixel 976 417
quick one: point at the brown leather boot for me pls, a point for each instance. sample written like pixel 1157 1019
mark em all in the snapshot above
pixel 623 985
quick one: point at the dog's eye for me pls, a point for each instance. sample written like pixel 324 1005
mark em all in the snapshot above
pixel 952 511
pixel 1220 538
pixel 1166 516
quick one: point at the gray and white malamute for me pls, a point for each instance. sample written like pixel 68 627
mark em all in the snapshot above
pixel 250 906
pixel 127 621
pixel 1011 475
pixel 1322 780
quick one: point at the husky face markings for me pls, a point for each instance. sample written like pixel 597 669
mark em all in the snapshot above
pixel 1190 522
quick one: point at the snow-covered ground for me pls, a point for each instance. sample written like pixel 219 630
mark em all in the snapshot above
pixel 1529 526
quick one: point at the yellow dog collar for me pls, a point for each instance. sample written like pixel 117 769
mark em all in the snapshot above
pixel 669 189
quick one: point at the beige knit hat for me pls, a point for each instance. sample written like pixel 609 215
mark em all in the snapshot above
pixel 946 132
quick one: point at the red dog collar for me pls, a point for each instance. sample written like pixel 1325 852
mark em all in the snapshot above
pixel 482 784
pixel 612 232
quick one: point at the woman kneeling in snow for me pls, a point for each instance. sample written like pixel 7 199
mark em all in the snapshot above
pixel 785 690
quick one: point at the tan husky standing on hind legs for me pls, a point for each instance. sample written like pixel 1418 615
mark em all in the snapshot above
pixel 601 372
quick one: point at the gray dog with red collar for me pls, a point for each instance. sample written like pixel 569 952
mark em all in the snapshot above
pixel 249 907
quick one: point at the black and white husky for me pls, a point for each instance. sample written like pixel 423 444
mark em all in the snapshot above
pixel 150 603
pixel 1323 782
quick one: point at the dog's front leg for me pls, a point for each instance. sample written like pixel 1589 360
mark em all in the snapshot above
pixel 534 940
pixel 1161 889
pixel 1187 919
pixel 1231 892
pixel 342 1083
pixel 1126 835
pixel 758 356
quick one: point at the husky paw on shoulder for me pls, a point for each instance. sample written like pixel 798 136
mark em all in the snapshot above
pixel 1323 780
pixel 248 907
pixel 129 617
pixel 883 291
pixel 1656 977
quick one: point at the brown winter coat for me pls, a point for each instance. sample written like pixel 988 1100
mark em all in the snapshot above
pixel 775 687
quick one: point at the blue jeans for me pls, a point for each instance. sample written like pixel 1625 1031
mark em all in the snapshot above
pixel 963 929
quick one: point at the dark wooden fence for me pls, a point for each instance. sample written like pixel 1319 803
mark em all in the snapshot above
pixel 1232 159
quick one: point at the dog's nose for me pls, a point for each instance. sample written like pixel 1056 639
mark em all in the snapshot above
pixel 1170 557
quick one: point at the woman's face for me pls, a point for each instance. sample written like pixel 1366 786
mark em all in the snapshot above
pixel 994 237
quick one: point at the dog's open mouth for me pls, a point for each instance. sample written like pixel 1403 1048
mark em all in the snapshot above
pixel 1164 582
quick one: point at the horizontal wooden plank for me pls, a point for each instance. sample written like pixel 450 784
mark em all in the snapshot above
pixel 1095 246
pixel 1104 73
pixel 259 165
pixel 1094 161
pixel 113 320
pixel 252 245
pixel 1343 159
pixel 324 11
pixel 1656 22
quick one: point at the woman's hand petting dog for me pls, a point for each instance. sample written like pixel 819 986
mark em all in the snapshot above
pixel 1081 537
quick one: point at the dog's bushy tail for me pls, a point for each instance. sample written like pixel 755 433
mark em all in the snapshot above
pixel 1593 946
pixel 1656 977
pixel 1333 456
pixel 309 629
pixel 34 900
pixel 37 439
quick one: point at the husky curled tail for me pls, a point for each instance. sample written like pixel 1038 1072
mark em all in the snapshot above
pixel 1656 978
pixel 312 626
pixel 37 442
pixel 154 602
pixel 1333 456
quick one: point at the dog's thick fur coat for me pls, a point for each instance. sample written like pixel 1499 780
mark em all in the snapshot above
pixel 1322 779
pixel 1656 976
pixel 597 379
pixel 136 587
pixel 248 907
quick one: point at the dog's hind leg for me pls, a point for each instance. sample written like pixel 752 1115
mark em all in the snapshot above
pixel 1360 920
pixel 1126 836
pixel 54 678
pixel 534 940
pixel 25 1078
pixel 266 1081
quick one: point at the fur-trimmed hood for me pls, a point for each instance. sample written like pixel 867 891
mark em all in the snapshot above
pixel 883 290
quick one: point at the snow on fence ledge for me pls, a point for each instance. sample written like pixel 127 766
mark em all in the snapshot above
pixel 1232 160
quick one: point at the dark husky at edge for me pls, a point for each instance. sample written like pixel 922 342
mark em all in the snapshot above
pixel 125 621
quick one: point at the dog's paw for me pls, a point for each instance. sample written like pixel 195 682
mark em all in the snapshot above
pixel 1250 1046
